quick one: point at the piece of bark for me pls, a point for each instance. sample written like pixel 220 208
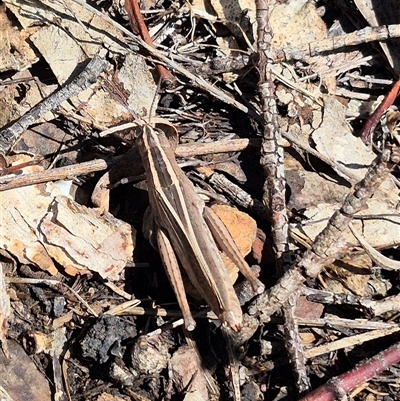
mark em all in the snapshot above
pixel 186 372
pixel 41 224
pixel 20 377
pixel 5 311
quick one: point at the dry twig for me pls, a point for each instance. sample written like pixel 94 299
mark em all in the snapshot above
pixel 368 34
pixel 272 160
pixel 135 16
pixel 340 386
pixel 69 172
pixel 271 151
pixel 10 135
pixel 373 120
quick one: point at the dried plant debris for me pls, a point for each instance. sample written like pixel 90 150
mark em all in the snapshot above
pixel 383 14
pixel 270 99
pixel 243 230
pixel 187 374
pixel 379 227
pixel 5 311
pixel 20 378
pixel 74 44
pixel 44 224
pixel 16 53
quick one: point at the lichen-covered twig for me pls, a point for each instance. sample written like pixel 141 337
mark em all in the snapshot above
pixel 272 161
pixel 374 307
pixel 294 344
pixel 271 153
pixel 10 135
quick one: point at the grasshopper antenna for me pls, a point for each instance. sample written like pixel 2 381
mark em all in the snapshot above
pixel 153 103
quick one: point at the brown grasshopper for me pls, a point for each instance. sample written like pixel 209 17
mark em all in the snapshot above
pixel 187 230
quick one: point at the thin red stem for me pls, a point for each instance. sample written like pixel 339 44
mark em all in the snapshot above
pixel 136 21
pixel 373 120
pixel 347 382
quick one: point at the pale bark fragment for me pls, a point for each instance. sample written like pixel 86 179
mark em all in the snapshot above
pixel 5 312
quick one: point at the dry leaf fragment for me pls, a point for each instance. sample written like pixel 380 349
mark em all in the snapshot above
pixel 243 230
pixel 342 281
pixel 335 140
pixel 233 169
pixel 64 47
pixel 187 373
pixel 353 274
pixel 81 36
pixel 379 232
pixel 15 54
pixel 381 260
pixel 109 397
pixel 203 9
pixel 21 210
pixel 308 188
pixel 82 239
pixel 295 23
pixel 8 105
pixel 241 226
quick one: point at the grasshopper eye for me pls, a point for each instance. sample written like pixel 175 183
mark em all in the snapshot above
pixel 230 319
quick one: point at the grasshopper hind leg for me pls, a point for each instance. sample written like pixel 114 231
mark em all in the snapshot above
pixel 172 269
pixel 226 243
